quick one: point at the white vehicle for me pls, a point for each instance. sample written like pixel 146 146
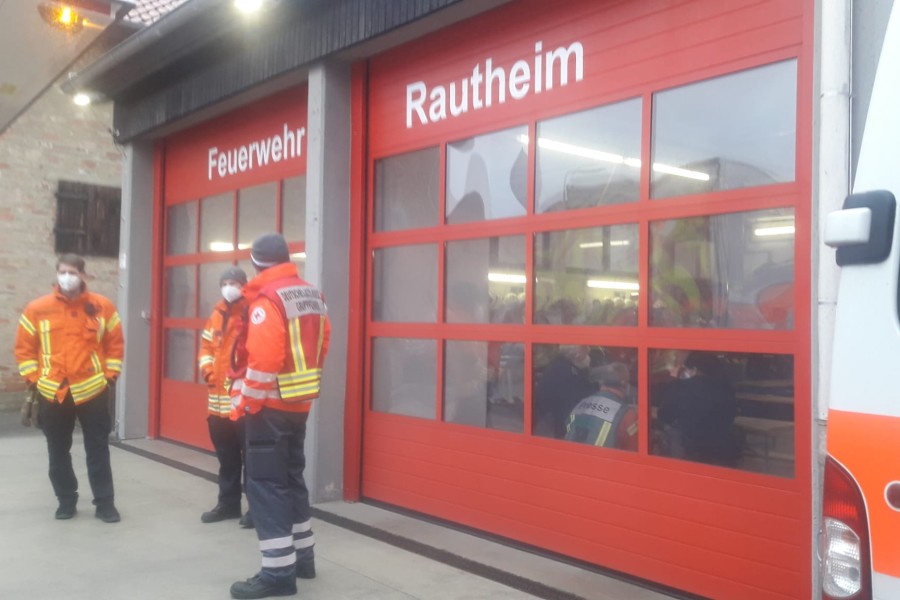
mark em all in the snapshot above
pixel 860 533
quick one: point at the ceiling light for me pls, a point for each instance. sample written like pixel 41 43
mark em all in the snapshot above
pixel 248 6
pixel 773 231
pixel 613 243
pixel 609 284
pixel 618 159
pixel 506 277
pixel 81 99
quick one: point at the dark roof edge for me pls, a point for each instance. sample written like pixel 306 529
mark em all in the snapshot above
pixel 138 43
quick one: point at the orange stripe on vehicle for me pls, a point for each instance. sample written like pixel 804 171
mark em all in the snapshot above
pixel 858 441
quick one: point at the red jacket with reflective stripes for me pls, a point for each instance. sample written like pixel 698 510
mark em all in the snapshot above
pixel 287 335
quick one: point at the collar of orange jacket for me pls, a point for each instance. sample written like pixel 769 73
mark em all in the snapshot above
pixel 79 299
pixel 281 271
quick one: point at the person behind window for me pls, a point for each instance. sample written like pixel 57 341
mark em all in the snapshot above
pixel 69 348
pixel 606 418
pixel 698 411
pixel 562 385
pixel 218 338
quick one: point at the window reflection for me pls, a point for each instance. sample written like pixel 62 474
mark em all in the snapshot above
pixel 256 212
pixel 180 354
pixel 404 377
pixel 217 223
pixel 210 291
pixel 587 276
pixel 733 270
pixel 724 408
pixel 730 132
pixel 486 280
pixel 181 291
pixel 405 284
pixel 487 176
pixel 181 229
pixel 407 190
pixel 590 158
pixel 484 384
pixel 586 394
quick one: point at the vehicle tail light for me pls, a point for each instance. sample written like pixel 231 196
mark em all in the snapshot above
pixel 844 550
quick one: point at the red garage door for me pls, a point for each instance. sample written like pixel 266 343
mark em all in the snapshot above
pixel 225 183
pixel 569 195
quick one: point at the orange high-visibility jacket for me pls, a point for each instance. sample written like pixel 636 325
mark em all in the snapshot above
pixel 72 345
pixel 218 337
pixel 286 342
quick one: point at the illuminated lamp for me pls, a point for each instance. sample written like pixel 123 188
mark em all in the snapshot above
pixel 61 16
pixel 248 6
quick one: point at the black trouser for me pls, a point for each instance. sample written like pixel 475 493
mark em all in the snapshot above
pixel 279 500
pixel 58 422
pixel 227 438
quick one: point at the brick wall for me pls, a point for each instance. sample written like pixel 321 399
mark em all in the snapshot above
pixel 53 140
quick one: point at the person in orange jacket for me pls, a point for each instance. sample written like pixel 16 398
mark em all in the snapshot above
pixel 217 342
pixel 277 376
pixel 69 347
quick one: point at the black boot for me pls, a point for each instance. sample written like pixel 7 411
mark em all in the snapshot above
pixel 306 569
pixel 220 512
pixel 106 512
pixel 66 508
pixel 246 521
pixel 256 587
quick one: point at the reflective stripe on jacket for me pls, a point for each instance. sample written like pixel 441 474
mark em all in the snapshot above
pixel 65 345
pixel 287 340
pixel 217 340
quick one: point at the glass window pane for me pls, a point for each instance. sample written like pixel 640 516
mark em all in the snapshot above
pixel 404 377
pixel 217 223
pixel 210 292
pixel 591 158
pixel 486 280
pixel 733 270
pixel 181 291
pixel 586 394
pixel 181 229
pixel 487 176
pixel 405 284
pixel 730 132
pixel 407 190
pixel 724 408
pixel 587 276
pixel 256 212
pixel 180 354
pixel 293 209
pixel 484 384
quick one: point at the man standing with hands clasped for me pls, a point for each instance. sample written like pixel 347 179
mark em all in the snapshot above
pixel 69 348
pixel 277 374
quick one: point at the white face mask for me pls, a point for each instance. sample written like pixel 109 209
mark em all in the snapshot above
pixel 68 282
pixel 231 292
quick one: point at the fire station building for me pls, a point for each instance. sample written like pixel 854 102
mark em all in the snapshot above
pixel 507 204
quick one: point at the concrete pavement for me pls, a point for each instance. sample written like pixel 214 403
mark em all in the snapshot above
pixel 162 550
